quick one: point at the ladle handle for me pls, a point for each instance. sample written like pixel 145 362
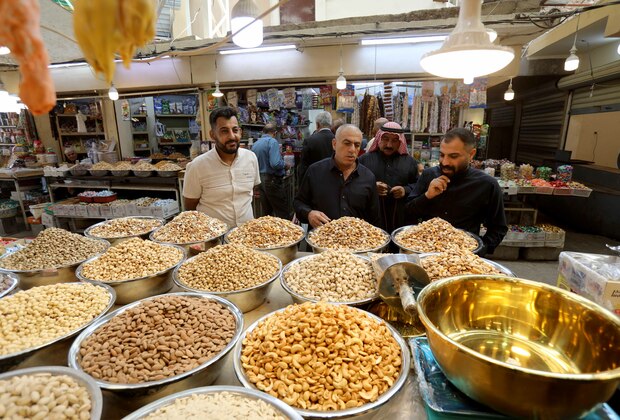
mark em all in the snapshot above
pixel 407 298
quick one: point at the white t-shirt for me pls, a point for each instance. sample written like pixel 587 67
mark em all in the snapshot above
pixel 225 191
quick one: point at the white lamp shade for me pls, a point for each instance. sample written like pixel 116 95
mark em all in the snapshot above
pixel 113 93
pixel 618 48
pixel 509 95
pixel 468 80
pixel 242 14
pixel 572 61
pixel 492 34
pixel 4 50
pixel 341 82
pixel 217 93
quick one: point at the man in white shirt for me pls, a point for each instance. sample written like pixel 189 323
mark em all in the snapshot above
pixel 221 182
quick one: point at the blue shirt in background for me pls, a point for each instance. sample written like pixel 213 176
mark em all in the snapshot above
pixel 270 161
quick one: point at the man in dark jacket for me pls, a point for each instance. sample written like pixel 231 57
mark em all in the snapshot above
pixel 396 172
pixel 318 146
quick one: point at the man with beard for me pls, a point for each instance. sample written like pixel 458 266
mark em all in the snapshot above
pixel 338 186
pixel 396 172
pixel 221 182
pixel 456 192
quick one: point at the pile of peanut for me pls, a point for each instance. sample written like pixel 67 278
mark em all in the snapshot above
pixel 190 226
pixel 53 248
pixel 42 314
pixel 227 268
pixel 455 263
pixel 266 232
pixel 132 259
pixel 41 396
pixel 435 235
pixel 348 234
pixel 334 276
pixel 125 226
pixel 320 356
pixel 157 339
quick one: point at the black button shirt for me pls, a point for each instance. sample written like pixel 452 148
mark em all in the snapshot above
pixel 325 189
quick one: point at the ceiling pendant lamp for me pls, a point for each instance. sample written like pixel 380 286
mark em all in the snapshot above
pixel 242 14
pixel 113 93
pixel 4 50
pixel 572 61
pixel 467 52
pixel 217 93
pixel 509 95
pixel 341 81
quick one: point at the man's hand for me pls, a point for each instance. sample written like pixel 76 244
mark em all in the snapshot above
pixel 398 192
pixel 437 186
pixel 382 189
pixel 317 218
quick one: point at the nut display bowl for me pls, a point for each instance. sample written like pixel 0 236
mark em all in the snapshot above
pixel 245 299
pixel 86 381
pixel 114 240
pixel 524 348
pixel 285 410
pixel 120 172
pixel 499 267
pixel 336 414
pixel 99 172
pixel 191 248
pixel 405 250
pixel 317 249
pixel 44 277
pixel 13 283
pixel 131 290
pixel 285 253
pixel 140 394
pixel 55 351
pixel 299 298
pixel 167 174
pixel 142 174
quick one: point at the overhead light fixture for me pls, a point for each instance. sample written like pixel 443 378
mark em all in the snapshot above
pixel 113 93
pixel 407 40
pixel 245 13
pixel 9 103
pixel 492 34
pixel 218 93
pixel 467 52
pixel 4 50
pixel 468 80
pixel 618 49
pixel 261 49
pixel 572 61
pixel 341 81
pixel 509 95
pixel 63 65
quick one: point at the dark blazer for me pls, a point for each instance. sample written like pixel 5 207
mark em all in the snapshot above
pixel 316 147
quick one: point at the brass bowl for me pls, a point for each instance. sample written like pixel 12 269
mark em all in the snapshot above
pixel 286 253
pixel 524 348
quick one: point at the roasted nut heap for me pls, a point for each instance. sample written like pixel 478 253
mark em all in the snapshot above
pixel 319 356
pixel 226 268
pixel 43 396
pixel 348 234
pixel 132 259
pixel 123 165
pixel 455 263
pixel 266 232
pixel 221 405
pixel 143 166
pixel 334 276
pixel 125 226
pixel 168 166
pixel 102 166
pixel 53 248
pixel 42 314
pixel 190 226
pixel 5 282
pixel 435 235
pixel 157 339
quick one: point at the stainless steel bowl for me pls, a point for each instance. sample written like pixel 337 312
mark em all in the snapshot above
pixel 78 172
pixel 191 248
pixel 285 410
pixel 122 172
pixel 167 174
pixel 131 290
pixel 13 283
pixel 118 239
pixel 245 299
pixel 135 396
pixel 524 348
pixel 143 174
pixel 285 254
pixel 55 351
pixel 405 250
pixel 99 172
pixel 96 399
pixel 339 414
pixel 316 249
pixel 503 269
pixel 298 298
pixel 62 274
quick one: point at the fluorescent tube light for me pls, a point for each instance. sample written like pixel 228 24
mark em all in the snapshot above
pixel 260 49
pixel 409 40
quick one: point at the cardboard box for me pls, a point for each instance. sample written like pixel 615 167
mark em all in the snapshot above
pixel 119 211
pixel 106 211
pixel 164 212
pixel 93 210
pixel 131 210
pixel 48 220
pixel 81 210
pixel 143 211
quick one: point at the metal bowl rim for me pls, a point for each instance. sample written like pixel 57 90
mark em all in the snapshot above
pixel 505 270
pixel 87 382
pixel 431 287
pixel 290 291
pixel 282 407
pixel 98 170
pixel 383 398
pixel 60 267
pixel 75 346
pixel 112 294
pixel 355 251
pixel 477 238
pixel 81 277
pixel 90 235
pixel 152 238
pixel 292 244
pixel 14 283
pixel 178 282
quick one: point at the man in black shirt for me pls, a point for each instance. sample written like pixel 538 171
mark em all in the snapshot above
pixel 338 186
pixel 464 196
pixel 318 146
pixel 396 172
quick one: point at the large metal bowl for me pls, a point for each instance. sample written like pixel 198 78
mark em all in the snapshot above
pixel 317 249
pixel 523 348
pixel 96 399
pixel 285 410
pixel 61 274
pixel 55 351
pixel 118 239
pixel 13 283
pixel 245 299
pixel 337 414
pixel 131 290
pixel 285 254
pixel 298 298
pixel 405 250
pixel 191 248
pixel 135 396
pixel 167 174
pixel 499 267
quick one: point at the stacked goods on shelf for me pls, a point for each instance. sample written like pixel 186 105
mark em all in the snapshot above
pixel 145 206
pixel 532 236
